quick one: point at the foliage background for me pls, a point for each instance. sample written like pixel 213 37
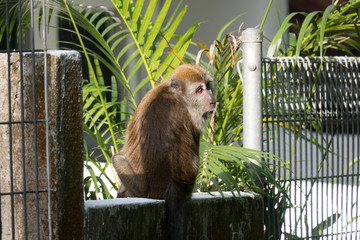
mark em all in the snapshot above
pixel 132 40
pixel 154 48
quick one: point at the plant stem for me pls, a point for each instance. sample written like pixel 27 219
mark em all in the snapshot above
pixel 266 14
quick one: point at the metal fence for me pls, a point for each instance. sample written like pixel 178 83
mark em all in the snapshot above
pixel 25 191
pixel 311 120
pixel 41 161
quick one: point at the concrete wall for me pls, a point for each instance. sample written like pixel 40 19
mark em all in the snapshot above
pixel 205 217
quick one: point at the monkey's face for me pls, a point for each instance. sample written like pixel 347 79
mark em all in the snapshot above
pixel 204 100
pixel 193 86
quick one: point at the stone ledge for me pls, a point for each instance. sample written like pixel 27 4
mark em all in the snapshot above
pixel 205 217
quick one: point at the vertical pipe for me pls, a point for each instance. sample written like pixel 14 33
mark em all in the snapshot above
pixel 35 117
pixel 7 7
pixel 252 97
pixel 22 122
pixel 47 121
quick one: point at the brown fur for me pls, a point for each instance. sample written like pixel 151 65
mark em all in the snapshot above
pixel 161 153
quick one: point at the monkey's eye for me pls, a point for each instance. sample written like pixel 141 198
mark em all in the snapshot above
pixel 199 90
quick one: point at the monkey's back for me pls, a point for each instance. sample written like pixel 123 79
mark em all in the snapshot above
pixel 162 145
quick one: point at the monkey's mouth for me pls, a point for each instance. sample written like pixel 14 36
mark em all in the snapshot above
pixel 208 114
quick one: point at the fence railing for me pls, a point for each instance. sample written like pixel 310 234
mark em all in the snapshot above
pixel 311 120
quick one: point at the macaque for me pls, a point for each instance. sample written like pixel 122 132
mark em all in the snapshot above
pixel 160 158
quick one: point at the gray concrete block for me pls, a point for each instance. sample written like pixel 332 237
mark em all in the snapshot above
pixel 205 217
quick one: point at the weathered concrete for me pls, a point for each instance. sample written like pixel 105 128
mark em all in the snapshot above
pixel 23 141
pixel 205 217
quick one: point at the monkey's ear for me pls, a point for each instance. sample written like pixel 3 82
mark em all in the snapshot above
pixel 175 85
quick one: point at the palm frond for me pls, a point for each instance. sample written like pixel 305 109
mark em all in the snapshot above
pixel 333 31
pixel 233 168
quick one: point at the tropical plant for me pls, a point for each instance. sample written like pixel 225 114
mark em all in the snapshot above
pixel 226 168
pixel 98 113
pixel 96 185
pixel 133 39
pixel 335 31
pixel 222 168
pixel 145 46
pixel 225 165
pixel 10 10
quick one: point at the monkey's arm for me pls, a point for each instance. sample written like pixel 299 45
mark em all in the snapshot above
pixel 131 185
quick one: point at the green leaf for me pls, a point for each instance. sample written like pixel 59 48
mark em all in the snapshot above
pixel 159 51
pixel 303 31
pixel 146 21
pixel 227 25
pixel 324 19
pixel 180 48
pixel 125 6
pixel 276 41
pixel 94 179
pixel 319 229
pixel 136 14
pixel 156 27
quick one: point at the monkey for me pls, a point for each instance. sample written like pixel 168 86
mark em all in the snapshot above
pixel 160 157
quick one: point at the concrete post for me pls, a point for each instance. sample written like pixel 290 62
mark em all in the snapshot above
pixel 23 159
pixel 252 97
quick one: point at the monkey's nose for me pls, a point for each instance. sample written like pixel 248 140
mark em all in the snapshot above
pixel 213 104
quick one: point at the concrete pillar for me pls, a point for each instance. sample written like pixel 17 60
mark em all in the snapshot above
pixel 23 146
